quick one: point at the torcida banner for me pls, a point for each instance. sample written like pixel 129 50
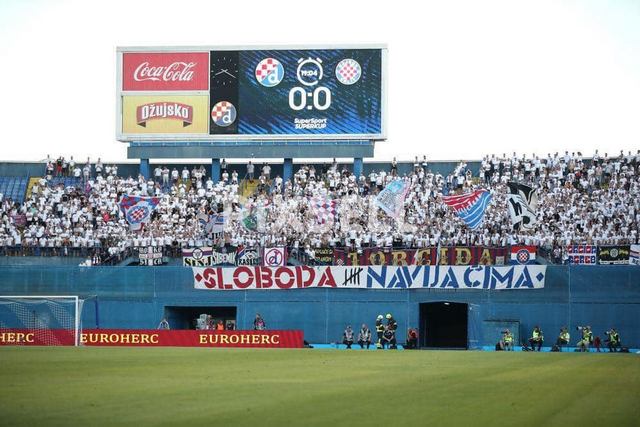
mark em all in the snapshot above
pixel 379 277
pixel 454 255
pixel 155 338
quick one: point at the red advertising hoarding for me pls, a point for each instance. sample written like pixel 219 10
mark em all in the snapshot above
pixel 165 71
pixel 15 336
pixel 155 338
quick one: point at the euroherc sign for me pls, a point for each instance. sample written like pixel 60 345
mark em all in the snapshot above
pixel 154 338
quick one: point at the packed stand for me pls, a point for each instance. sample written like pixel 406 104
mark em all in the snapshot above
pixel 581 201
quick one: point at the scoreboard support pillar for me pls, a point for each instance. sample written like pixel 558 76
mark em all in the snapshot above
pixel 287 170
pixel 357 166
pixel 144 168
pixel 215 170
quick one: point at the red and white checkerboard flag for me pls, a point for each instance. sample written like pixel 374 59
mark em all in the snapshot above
pixel 521 254
pixel 137 210
pixel 324 209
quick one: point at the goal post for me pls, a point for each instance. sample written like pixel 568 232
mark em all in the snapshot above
pixel 40 319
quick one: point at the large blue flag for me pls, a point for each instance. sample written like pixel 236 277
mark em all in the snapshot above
pixel 137 209
pixel 470 207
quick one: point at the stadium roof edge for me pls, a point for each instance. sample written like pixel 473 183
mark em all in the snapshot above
pixel 253 47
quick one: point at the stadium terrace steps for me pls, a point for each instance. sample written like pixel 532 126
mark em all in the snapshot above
pixel 32 181
pixel 67 181
pixel 14 187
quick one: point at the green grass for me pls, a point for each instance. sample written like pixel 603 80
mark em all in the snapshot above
pixel 198 386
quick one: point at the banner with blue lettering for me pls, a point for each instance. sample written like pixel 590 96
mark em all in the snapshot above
pixel 373 277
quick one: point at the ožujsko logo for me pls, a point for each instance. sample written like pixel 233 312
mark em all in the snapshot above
pixel 269 72
pixel 164 110
pixel 348 71
pixel 223 113
pixel 174 72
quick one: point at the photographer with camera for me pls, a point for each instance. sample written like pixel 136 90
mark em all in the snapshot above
pixel 613 340
pixel 389 335
pixel 536 338
pixel 412 339
pixel 587 338
pixel 347 337
pixel 364 336
pixel 563 338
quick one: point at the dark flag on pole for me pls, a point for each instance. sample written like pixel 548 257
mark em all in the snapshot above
pixel 523 204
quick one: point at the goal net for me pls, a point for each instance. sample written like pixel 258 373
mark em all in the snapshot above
pixel 40 320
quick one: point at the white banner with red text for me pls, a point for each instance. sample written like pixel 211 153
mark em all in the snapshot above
pixel 371 277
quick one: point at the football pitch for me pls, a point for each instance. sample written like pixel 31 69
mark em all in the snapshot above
pixel 198 386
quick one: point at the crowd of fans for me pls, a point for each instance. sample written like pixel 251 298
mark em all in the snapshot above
pixel 593 200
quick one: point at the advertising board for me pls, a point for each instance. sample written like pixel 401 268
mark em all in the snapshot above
pixel 270 93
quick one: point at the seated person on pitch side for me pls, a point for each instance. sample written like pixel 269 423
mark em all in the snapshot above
pixel 347 337
pixel 364 336
pixel 412 339
pixel 564 337
pixel 164 324
pixel 259 323
pixel 390 332
pixel 387 336
pixel 613 340
pixel 587 338
pixel 536 339
pixel 507 340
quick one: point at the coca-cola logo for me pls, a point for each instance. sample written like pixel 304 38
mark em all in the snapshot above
pixel 174 72
pixel 162 71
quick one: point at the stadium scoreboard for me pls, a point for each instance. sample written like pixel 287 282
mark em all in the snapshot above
pixel 236 94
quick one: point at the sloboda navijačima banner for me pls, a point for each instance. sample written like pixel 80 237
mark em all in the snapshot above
pixel 378 277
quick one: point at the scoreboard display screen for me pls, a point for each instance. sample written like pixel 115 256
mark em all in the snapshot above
pixel 244 94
